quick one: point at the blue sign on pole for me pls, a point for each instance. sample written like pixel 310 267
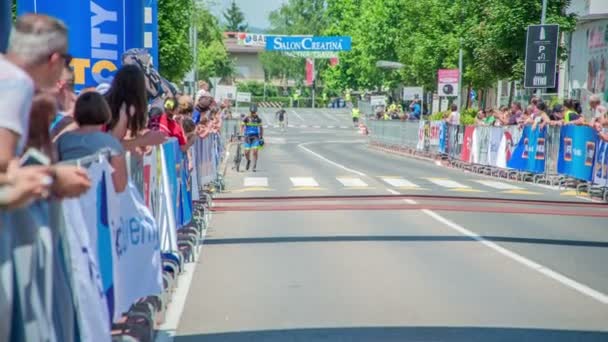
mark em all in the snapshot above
pixel 307 43
pixel 100 31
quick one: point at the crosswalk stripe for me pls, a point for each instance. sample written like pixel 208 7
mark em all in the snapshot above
pixel 399 182
pixel 304 181
pixel 343 127
pixel 498 185
pixel 448 183
pixel 255 182
pixel 351 182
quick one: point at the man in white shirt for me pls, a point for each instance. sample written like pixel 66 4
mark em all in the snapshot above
pixel 35 58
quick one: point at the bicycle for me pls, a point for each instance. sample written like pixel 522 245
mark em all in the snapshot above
pixel 238 157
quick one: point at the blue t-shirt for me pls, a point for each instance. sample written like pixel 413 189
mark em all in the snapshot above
pixel 417 110
pixel 196 117
pixel 75 145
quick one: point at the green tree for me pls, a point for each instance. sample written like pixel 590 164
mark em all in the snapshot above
pixel 174 20
pixel 213 59
pixel 235 19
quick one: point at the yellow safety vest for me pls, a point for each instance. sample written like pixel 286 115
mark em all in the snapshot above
pixel 356 113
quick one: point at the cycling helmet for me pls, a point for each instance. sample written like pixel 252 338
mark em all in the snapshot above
pixel 253 108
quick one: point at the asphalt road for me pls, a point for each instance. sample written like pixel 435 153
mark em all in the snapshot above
pixel 318 245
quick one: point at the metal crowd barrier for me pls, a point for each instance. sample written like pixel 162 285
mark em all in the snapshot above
pixel 55 255
pixel 560 156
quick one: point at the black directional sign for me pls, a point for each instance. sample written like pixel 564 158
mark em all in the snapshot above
pixel 541 56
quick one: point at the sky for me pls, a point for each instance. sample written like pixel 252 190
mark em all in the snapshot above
pixel 256 11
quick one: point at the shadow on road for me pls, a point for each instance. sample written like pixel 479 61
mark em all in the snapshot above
pixel 400 238
pixel 401 334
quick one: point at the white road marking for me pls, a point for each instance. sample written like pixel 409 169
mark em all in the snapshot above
pixel 562 279
pixel 303 126
pixel 304 182
pixel 393 192
pixel 399 182
pixel 316 126
pixel 302 146
pixel 255 182
pixel 351 182
pixel 331 126
pixel 343 127
pixel 448 183
pixel 298 115
pixel 498 185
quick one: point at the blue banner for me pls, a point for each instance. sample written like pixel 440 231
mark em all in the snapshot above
pixel 442 137
pixel 307 43
pixel 100 31
pixel 529 154
pixel 600 175
pixel 171 155
pixel 186 193
pixel 577 152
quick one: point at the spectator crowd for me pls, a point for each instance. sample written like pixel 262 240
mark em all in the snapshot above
pixel 44 121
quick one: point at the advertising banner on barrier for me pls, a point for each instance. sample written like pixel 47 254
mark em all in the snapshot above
pixel 435 133
pixel 137 247
pixel 529 154
pixel 89 298
pixel 443 134
pixel 100 31
pixel 420 143
pixel 577 152
pixel 96 213
pixel 505 149
pixel 495 139
pixel 467 143
pixel 600 175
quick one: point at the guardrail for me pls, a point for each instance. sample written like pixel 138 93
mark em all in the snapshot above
pixel 562 156
pixel 106 263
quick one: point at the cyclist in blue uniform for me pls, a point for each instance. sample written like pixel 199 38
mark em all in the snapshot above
pixel 253 133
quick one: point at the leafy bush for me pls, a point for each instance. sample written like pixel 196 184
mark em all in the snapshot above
pixel 467 116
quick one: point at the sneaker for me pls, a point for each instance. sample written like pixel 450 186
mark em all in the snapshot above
pixel 248 164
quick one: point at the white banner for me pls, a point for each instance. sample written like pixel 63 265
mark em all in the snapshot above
pixel 243 97
pixel 89 297
pixel 137 248
pixel 496 136
pixel 160 199
pixel 420 144
pixel 474 157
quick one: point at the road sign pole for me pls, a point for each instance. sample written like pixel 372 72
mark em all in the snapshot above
pixel 543 17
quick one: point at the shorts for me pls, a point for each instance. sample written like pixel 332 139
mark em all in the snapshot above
pixel 252 143
pixel 355 120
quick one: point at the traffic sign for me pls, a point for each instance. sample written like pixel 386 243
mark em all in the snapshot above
pixel 243 97
pixel 447 80
pixel 541 56
pixel 378 100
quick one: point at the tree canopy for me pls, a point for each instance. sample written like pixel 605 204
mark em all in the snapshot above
pixel 175 56
pixel 425 35
pixel 235 19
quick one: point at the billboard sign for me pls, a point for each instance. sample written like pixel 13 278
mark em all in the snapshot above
pixel 100 31
pixel 307 43
pixel 243 97
pixel 447 80
pixel 223 92
pixel 541 56
pixel 412 93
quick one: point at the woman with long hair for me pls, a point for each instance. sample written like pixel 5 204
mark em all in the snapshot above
pixel 127 99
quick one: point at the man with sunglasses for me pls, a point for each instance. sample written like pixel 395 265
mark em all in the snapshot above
pixel 34 61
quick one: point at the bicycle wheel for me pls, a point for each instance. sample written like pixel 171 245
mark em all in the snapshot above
pixel 237 158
